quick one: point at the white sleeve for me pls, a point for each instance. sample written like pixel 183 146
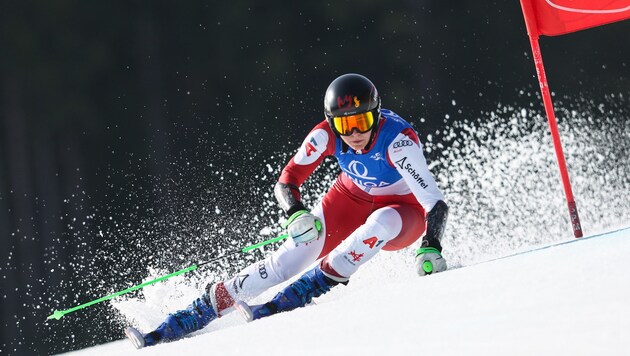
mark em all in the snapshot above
pixel 409 160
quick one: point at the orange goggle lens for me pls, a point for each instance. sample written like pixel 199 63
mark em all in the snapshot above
pixel 344 125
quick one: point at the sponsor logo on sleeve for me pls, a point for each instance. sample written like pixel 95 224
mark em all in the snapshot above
pixel 401 162
pixel 403 143
pixel 312 148
pixel 409 168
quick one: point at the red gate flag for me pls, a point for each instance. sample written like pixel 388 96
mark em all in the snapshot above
pixel 558 17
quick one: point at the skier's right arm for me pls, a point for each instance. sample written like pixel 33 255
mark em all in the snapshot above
pixel 319 143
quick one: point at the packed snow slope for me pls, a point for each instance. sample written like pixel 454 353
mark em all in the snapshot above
pixel 569 298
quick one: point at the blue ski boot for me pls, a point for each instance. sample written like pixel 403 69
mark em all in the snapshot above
pixel 198 314
pixel 310 285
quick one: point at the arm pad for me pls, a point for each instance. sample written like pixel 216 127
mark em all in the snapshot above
pixel 436 223
pixel 288 198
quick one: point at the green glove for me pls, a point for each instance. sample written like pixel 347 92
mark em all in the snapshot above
pixel 303 227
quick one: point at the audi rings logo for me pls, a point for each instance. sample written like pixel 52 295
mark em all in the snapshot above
pixel 262 270
pixel 402 143
pixel 358 169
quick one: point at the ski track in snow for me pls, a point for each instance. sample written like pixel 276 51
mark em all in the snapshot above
pixel 569 298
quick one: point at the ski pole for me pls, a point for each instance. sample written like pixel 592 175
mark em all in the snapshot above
pixel 58 314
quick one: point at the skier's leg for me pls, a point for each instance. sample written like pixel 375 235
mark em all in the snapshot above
pixel 196 316
pixel 219 298
pixel 383 226
pixel 310 285
pixel 340 215
pixel 391 228
pixel 345 215
pixel 278 267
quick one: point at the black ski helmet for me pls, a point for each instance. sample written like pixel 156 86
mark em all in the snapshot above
pixel 351 94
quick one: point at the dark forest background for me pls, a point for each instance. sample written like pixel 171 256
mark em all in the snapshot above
pixel 124 122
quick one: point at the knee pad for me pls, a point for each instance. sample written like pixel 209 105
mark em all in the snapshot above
pixel 385 222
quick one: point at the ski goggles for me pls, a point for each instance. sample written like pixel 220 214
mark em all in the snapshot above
pixel 344 125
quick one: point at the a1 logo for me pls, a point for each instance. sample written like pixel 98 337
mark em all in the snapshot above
pixel 372 241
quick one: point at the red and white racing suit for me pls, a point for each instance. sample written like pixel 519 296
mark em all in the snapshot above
pixel 379 201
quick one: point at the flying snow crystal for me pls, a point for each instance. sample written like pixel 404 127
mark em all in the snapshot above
pixel 497 170
pixel 502 183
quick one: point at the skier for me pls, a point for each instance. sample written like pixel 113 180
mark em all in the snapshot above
pixel 384 199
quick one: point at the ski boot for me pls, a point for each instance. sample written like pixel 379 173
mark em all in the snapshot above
pixel 310 285
pixel 198 314
pixel 429 260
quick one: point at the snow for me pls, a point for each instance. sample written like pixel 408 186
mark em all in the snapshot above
pixel 499 174
pixel 567 298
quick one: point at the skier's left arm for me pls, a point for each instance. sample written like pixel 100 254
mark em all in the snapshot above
pixel 405 154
